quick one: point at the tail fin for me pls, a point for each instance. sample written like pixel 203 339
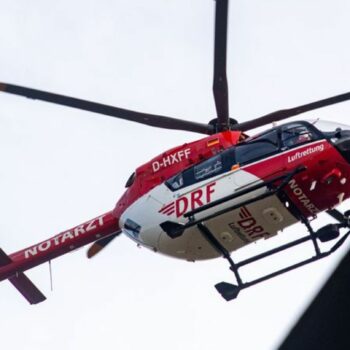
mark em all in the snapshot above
pixel 97 246
pixel 22 283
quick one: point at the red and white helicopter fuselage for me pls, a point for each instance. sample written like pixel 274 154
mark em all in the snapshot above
pixel 327 173
pixel 219 181
pixel 215 195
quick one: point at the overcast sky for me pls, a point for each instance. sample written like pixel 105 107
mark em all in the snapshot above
pixel 61 167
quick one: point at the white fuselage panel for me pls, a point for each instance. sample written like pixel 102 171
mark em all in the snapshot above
pixel 234 229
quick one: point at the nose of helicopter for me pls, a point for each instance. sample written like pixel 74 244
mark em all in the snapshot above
pixel 338 133
pixel 342 143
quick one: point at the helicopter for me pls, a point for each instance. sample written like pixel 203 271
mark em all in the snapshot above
pixel 210 197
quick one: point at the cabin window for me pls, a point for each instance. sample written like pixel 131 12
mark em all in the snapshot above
pixel 176 182
pixel 256 148
pixel 208 168
pixel 213 166
pixel 294 135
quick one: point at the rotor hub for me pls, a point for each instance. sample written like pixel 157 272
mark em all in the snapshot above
pixel 219 127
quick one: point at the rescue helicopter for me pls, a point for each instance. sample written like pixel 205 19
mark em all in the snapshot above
pixel 210 197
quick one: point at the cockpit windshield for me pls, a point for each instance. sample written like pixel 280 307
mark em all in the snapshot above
pixel 252 149
pixel 295 134
pixel 255 148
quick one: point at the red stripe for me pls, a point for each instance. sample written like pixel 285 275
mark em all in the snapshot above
pixel 244 213
pixel 166 207
pixel 169 209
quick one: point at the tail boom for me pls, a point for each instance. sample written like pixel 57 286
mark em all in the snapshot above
pixel 65 242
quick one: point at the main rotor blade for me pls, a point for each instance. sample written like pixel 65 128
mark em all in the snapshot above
pixel 220 88
pixel 143 118
pixel 97 246
pixel 287 113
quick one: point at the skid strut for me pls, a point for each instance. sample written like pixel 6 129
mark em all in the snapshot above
pixel 230 291
pixel 227 290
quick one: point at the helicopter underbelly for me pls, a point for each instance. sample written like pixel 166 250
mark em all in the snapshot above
pixel 234 229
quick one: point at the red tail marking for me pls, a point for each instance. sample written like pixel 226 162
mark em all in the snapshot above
pixel 12 266
pixel 22 283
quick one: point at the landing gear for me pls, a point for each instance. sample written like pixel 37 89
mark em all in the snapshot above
pixel 328 232
pixel 227 290
pixel 230 291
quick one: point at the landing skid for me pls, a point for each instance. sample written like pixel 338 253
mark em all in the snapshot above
pixel 230 291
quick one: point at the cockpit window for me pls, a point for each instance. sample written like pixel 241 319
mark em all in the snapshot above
pixel 256 148
pixel 208 168
pixel 131 180
pixel 294 135
pixel 213 166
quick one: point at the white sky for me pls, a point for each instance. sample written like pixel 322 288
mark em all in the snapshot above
pixel 61 167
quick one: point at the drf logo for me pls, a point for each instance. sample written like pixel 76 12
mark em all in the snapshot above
pixel 190 201
pixel 171 159
pixel 249 225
